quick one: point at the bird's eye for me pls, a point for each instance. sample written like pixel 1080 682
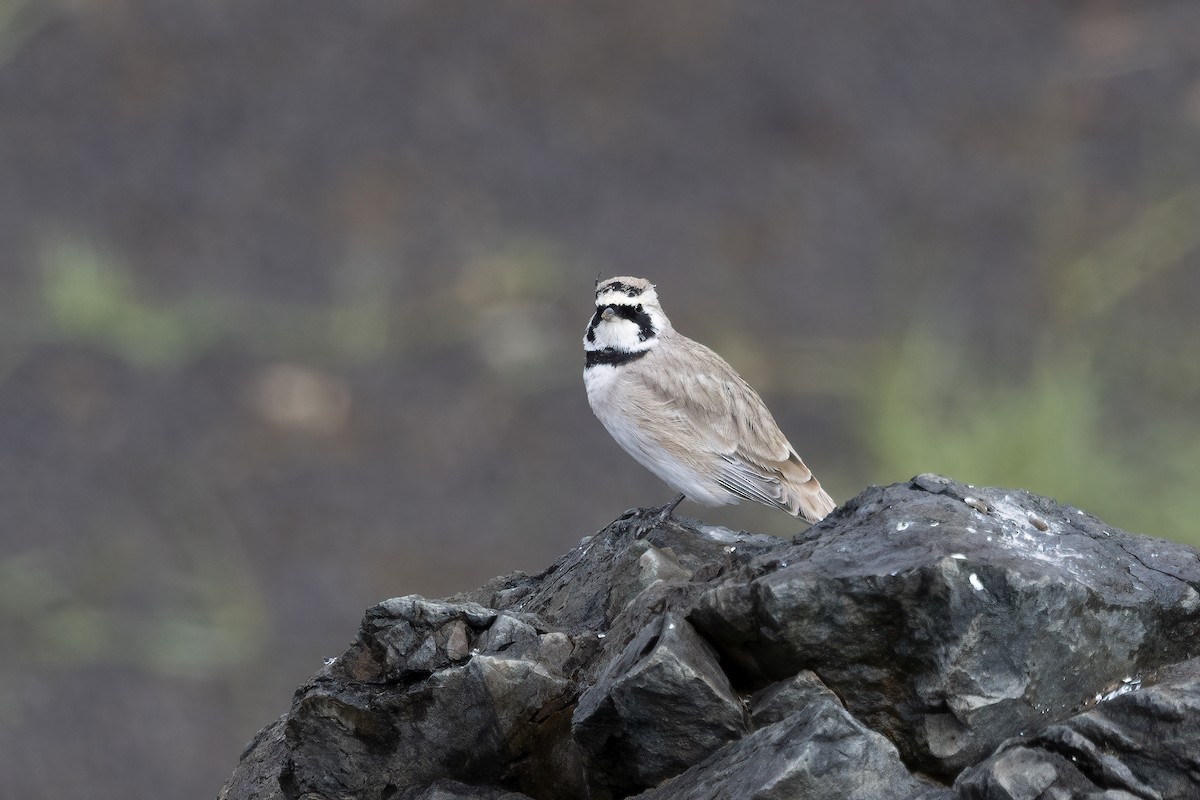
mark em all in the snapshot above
pixel 639 308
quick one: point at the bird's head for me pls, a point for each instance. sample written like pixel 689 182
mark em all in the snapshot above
pixel 628 317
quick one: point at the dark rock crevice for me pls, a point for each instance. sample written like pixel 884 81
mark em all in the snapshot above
pixel 927 640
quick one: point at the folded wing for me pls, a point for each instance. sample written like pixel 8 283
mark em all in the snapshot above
pixel 752 457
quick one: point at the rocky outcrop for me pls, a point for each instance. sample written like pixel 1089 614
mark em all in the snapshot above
pixel 927 640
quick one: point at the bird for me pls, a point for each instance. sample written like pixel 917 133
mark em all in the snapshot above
pixel 684 413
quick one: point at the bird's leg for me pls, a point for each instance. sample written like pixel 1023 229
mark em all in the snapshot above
pixel 666 511
pixel 659 517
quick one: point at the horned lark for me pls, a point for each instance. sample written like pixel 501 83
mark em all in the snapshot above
pixel 684 413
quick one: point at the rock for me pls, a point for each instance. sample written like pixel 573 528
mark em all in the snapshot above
pixel 453 790
pixel 658 708
pixel 949 620
pixel 435 690
pixel 782 699
pixel 1137 742
pixel 817 751
pixel 929 640
pixel 259 767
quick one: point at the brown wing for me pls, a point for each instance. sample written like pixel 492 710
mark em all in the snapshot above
pixel 752 457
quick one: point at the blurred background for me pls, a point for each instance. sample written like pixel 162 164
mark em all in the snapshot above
pixel 293 291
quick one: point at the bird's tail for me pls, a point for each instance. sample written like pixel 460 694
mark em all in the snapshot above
pixel 805 497
pixel 812 502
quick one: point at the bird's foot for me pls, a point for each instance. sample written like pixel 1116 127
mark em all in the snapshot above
pixel 660 516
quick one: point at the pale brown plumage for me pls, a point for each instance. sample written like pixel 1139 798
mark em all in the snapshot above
pixel 687 415
pixel 706 403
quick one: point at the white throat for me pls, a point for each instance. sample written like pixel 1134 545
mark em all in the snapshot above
pixel 618 334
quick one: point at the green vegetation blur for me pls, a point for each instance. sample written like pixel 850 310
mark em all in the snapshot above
pixel 1051 423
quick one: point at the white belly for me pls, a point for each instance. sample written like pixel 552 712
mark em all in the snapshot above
pixel 611 405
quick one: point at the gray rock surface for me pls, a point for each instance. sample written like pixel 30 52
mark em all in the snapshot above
pixel 661 706
pixel 1136 742
pixel 951 618
pixel 816 751
pixel 434 690
pixel 258 772
pixel 929 640
pixel 454 790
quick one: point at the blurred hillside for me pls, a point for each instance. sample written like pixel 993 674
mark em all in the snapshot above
pixel 294 291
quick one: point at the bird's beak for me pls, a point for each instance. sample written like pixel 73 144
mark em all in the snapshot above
pixel 608 313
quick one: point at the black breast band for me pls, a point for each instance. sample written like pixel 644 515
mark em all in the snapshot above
pixel 612 356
